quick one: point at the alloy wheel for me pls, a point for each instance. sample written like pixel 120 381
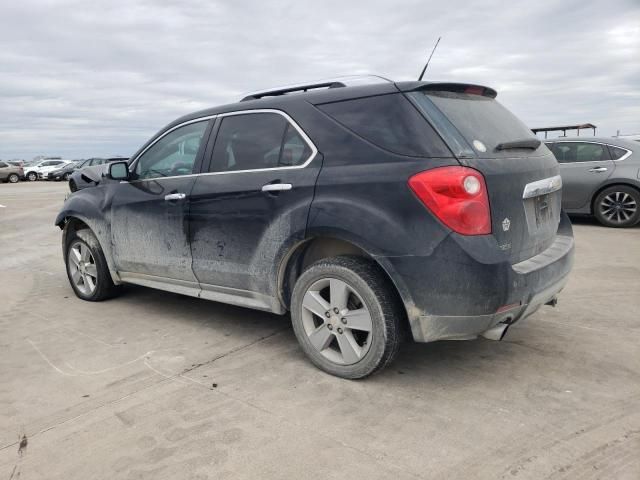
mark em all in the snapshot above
pixel 618 207
pixel 82 268
pixel 336 321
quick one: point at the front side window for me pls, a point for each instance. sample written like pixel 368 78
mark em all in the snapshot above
pixel 256 141
pixel 3 165
pixel 570 152
pixel 174 154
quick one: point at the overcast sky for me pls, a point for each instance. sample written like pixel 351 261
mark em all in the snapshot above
pixel 95 78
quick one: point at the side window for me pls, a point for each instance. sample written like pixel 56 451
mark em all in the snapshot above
pixel 255 141
pixel 3 165
pixel 565 152
pixel 174 154
pixel 390 122
pixel 591 152
pixel 295 150
pixel 617 152
pixel 570 152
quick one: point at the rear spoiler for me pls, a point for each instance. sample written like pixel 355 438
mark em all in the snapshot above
pixel 447 87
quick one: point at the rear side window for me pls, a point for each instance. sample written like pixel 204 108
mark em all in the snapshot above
pixel 570 152
pixel 255 141
pixel 617 152
pixel 481 121
pixel 391 123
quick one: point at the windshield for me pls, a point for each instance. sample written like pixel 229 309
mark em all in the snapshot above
pixel 475 124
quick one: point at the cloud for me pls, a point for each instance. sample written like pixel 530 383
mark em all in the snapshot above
pixel 83 79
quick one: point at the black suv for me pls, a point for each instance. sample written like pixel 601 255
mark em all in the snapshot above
pixel 366 211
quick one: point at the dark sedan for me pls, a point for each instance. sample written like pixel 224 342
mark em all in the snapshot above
pixel 65 172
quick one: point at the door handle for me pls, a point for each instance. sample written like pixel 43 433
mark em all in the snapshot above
pixel 175 196
pixel 277 187
pixel 598 169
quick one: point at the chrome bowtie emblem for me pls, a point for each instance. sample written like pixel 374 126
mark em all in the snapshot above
pixel 506 224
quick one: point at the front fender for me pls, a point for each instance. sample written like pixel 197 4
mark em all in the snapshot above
pixel 92 208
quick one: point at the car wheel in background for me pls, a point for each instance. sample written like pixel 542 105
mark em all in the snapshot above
pixel 347 316
pixel 13 178
pixel 66 176
pixel 87 268
pixel 32 176
pixel 618 206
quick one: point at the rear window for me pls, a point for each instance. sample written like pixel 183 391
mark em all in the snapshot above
pixel 473 123
pixel 391 122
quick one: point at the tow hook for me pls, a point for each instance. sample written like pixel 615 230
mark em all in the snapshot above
pixel 553 302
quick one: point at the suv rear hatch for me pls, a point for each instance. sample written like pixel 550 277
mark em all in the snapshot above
pixel 521 174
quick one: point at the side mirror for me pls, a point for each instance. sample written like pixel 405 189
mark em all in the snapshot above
pixel 119 171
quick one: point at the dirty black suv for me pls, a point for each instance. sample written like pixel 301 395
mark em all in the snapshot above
pixel 369 212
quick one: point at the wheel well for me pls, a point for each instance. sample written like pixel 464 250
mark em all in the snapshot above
pixel 73 224
pixel 312 250
pixel 604 187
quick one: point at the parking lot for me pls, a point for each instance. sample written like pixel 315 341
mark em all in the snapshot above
pixel 155 385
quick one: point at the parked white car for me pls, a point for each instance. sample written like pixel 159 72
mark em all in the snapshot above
pixel 42 169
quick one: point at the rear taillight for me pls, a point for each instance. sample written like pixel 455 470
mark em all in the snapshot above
pixel 457 196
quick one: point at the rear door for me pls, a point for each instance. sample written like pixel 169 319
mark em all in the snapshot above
pixel 251 205
pixel 521 174
pixel 149 226
pixel 584 167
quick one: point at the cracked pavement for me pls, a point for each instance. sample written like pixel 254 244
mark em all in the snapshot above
pixel 155 385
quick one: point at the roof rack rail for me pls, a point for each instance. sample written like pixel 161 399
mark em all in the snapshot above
pixel 347 81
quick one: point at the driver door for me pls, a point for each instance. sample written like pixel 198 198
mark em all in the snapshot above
pixel 149 227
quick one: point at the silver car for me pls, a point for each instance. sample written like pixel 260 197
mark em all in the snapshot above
pixel 600 177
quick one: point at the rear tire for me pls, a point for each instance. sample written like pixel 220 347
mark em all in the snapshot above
pixel 32 176
pixel 617 206
pixel 13 178
pixel 72 186
pixel 87 268
pixel 66 176
pixel 347 316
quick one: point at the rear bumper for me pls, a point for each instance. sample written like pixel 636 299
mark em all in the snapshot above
pixel 453 295
pixel 429 328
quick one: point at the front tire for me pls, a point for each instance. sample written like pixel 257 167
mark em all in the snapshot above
pixel 72 186
pixel 618 206
pixel 347 317
pixel 32 176
pixel 13 178
pixel 87 269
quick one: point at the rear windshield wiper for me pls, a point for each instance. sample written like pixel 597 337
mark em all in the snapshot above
pixel 530 143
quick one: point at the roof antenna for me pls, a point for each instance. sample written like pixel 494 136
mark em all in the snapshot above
pixel 425 67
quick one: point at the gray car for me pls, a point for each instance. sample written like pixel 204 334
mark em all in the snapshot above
pixel 600 177
pixel 10 173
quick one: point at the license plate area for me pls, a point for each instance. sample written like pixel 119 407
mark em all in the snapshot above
pixel 543 213
pixel 543 208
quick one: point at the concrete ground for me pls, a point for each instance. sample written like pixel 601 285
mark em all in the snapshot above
pixel 155 385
